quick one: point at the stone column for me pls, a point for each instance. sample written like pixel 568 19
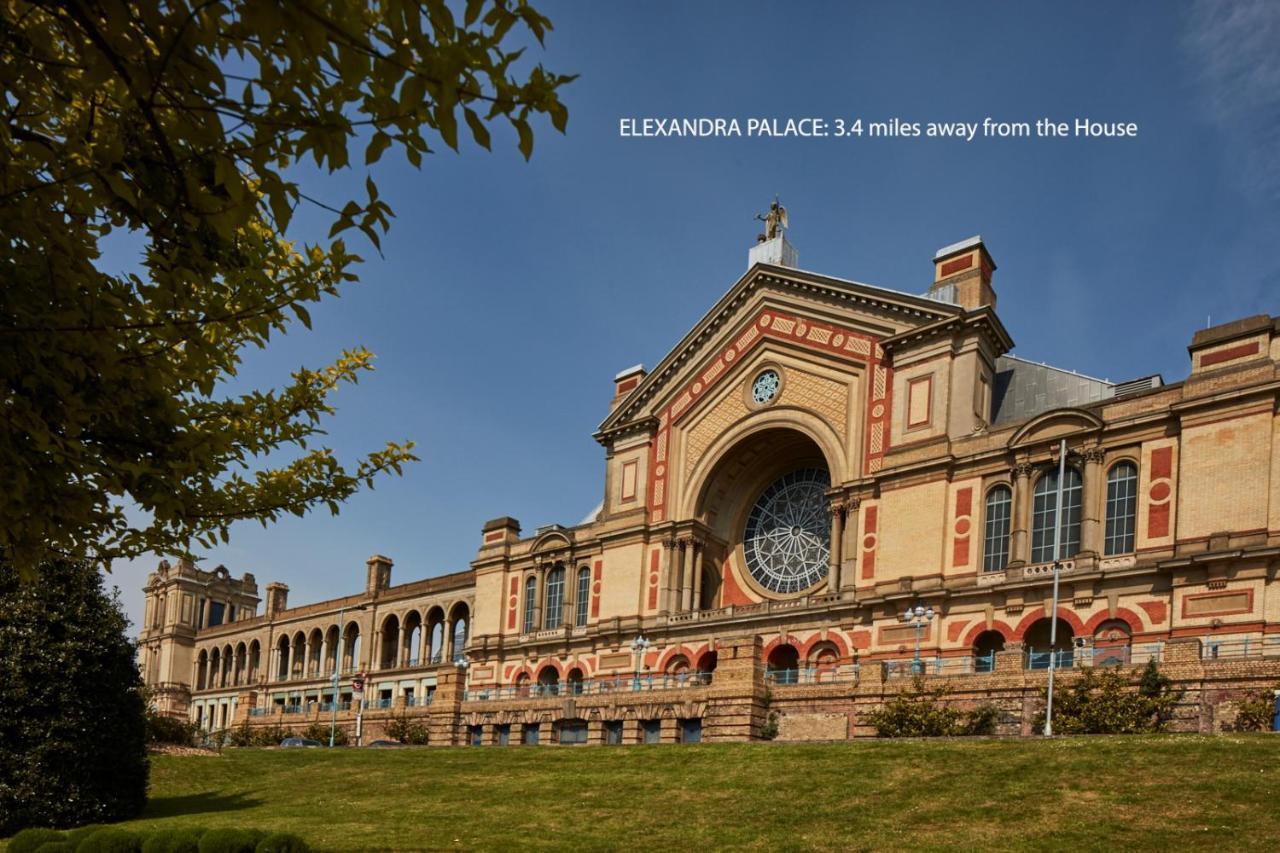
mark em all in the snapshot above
pixel 1092 501
pixel 697 577
pixel 686 576
pixel 836 510
pixel 1020 534
pixel 666 569
pixel 849 549
pixel 570 597
pixel 540 598
pixel 669 729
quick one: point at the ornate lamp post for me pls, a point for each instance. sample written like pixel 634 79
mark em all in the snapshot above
pixel 920 617
pixel 639 646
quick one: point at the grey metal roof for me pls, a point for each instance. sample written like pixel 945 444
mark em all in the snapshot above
pixel 1024 389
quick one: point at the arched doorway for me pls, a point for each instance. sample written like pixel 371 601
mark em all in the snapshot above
pixel 766 497
pixel 1112 642
pixel 549 681
pixel 707 665
pixel 824 658
pixel 574 681
pixel 783 665
pixel 985 647
pixel 1039 649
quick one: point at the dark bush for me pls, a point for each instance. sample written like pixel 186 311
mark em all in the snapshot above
pixel 170 730
pixel 29 840
pixel 110 840
pixel 241 735
pixel 73 733
pixel 283 842
pixel 272 735
pixel 230 840
pixel 56 847
pixel 920 712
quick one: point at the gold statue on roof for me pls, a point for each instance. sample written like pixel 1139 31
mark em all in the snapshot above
pixel 775 221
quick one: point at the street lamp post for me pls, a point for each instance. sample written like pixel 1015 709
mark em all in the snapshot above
pixel 639 646
pixel 1057 572
pixel 337 671
pixel 920 617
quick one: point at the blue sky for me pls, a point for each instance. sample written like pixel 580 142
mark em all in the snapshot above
pixel 510 293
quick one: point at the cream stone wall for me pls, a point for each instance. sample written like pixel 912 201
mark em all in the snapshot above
pixel 491 588
pixel 1224 470
pixel 621 580
pixel 937 371
pixel 1146 499
pixel 1273 517
pixel 911 530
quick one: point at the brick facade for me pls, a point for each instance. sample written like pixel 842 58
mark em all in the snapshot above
pixel 656 620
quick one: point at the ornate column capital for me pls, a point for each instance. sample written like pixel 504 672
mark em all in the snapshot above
pixel 1022 470
pixel 1096 454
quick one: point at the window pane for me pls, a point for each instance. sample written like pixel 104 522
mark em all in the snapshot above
pixel 584 594
pixel 995 553
pixel 1044 515
pixel 530 602
pixel 1122 506
pixel 553 614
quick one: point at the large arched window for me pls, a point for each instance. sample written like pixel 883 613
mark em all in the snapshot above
pixel 530 602
pixel 995 543
pixel 584 596
pixel 1044 515
pixel 553 615
pixel 1122 507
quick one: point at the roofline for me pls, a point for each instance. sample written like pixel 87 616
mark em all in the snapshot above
pixel 657 376
pixel 1061 369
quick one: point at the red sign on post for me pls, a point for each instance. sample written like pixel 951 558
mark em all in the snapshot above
pixel 357 683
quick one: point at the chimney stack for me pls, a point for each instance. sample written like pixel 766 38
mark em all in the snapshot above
pixel 277 598
pixel 379 574
pixel 962 275
pixel 624 383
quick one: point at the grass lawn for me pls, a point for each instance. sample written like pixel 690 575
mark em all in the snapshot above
pixel 1104 793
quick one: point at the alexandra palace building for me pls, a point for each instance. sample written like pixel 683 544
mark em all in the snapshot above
pixel 826 488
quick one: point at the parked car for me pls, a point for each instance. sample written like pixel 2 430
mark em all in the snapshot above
pixel 299 741
pixel 385 744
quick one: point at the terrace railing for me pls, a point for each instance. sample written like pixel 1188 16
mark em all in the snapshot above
pixel 590 687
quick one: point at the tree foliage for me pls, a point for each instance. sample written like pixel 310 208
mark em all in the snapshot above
pixel 403 728
pixel 921 711
pixel 1108 701
pixel 73 733
pixel 178 123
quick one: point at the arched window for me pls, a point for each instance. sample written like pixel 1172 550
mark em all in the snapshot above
pixel 1122 507
pixel 995 548
pixel 459 637
pixel 553 615
pixel 584 596
pixel 1044 515
pixel 530 602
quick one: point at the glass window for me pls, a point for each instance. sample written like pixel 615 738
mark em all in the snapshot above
pixel 1044 515
pixel 995 550
pixel 530 602
pixel 1122 507
pixel 613 732
pixel 553 615
pixel 475 734
pixel 573 732
pixel 584 596
pixel 503 731
pixel 691 730
pixel 459 638
pixel 216 611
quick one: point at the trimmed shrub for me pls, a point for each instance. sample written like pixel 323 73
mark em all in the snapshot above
pixel 1108 702
pixel 230 840
pixel 1255 711
pixel 75 836
pixel 56 847
pixel 272 735
pixel 320 731
pixel 920 712
pixel 405 730
pixel 29 840
pixel 73 734
pixel 283 842
pixel 186 840
pixel 110 840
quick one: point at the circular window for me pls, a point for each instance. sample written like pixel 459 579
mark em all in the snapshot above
pixel 765 388
pixel 788 538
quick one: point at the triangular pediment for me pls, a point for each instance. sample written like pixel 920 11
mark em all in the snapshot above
pixel 829 316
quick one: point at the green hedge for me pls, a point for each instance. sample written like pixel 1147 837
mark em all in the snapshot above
pixel 106 839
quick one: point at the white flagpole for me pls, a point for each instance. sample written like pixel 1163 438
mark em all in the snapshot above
pixel 1057 566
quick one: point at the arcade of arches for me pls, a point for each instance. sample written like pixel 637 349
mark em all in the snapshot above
pixel 825 487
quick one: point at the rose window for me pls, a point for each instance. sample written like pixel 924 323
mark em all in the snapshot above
pixel 787 541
